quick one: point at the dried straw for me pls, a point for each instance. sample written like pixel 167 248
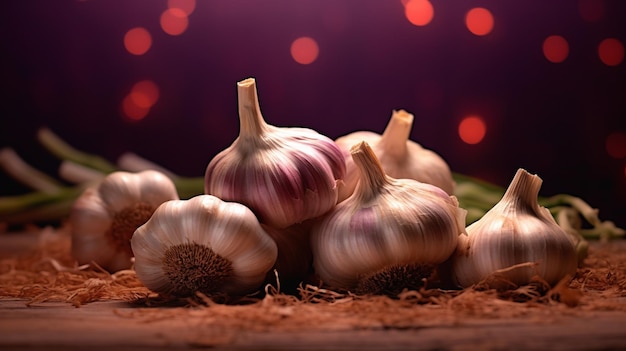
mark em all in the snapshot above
pixel 50 274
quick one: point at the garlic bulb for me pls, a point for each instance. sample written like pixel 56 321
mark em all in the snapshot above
pixel 388 235
pixel 285 175
pixel 515 231
pixel 104 217
pixel 202 245
pixel 399 156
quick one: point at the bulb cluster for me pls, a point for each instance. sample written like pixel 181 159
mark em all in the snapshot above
pixel 370 213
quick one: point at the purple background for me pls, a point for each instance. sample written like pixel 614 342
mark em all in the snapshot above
pixel 63 65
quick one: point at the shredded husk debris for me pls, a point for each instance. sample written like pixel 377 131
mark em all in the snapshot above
pixel 48 273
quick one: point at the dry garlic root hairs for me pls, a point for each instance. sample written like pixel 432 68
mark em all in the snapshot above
pixel 399 156
pixel 388 235
pixel 285 175
pixel 104 216
pixel 202 245
pixel 514 232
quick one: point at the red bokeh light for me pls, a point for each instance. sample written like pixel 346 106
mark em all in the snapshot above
pixel 611 52
pixel 472 129
pixel 137 41
pixel 304 50
pixel 174 21
pixel 132 111
pixel 555 48
pixel 145 93
pixel 419 12
pixel 479 21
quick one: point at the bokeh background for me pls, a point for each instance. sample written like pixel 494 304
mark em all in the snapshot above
pixel 494 85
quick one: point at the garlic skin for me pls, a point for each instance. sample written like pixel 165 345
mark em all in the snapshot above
pixel 284 175
pixel 203 245
pixel 388 235
pixel 104 217
pixel 400 157
pixel 516 230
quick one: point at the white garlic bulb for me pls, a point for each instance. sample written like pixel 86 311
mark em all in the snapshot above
pixel 104 217
pixel 399 156
pixel 514 232
pixel 388 235
pixel 285 175
pixel 202 245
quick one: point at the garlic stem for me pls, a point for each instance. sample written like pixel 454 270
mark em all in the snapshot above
pixel 251 120
pixel 132 162
pixel 396 134
pixel 76 173
pixel 372 175
pixel 524 191
pixel 604 231
pixel 61 149
pixel 53 211
pixel 590 214
pixel 37 206
pixel 17 168
pixel 471 191
pixel 566 217
pixel 189 187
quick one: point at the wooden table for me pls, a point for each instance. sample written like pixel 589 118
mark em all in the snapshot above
pixel 121 325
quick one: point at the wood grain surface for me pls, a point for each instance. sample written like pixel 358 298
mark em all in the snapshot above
pixel 114 325
pixel 122 325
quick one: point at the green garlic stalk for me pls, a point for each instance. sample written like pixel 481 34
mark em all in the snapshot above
pixel 51 199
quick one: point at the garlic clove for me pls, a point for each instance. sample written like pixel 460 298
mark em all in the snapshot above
pixel 400 157
pixel 284 175
pixel 202 244
pixel 388 235
pixel 105 216
pixel 517 239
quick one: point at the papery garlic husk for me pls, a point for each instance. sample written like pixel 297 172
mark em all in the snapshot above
pixel 202 245
pixel 388 235
pixel 104 217
pixel 294 263
pixel 517 240
pixel 400 157
pixel 285 175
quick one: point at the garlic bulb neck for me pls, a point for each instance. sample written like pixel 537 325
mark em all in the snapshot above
pixel 395 136
pixel 523 192
pixel 251 122
pixel 373 178
pixel 192 267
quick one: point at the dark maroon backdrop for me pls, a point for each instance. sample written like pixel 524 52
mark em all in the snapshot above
pixel 63 65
